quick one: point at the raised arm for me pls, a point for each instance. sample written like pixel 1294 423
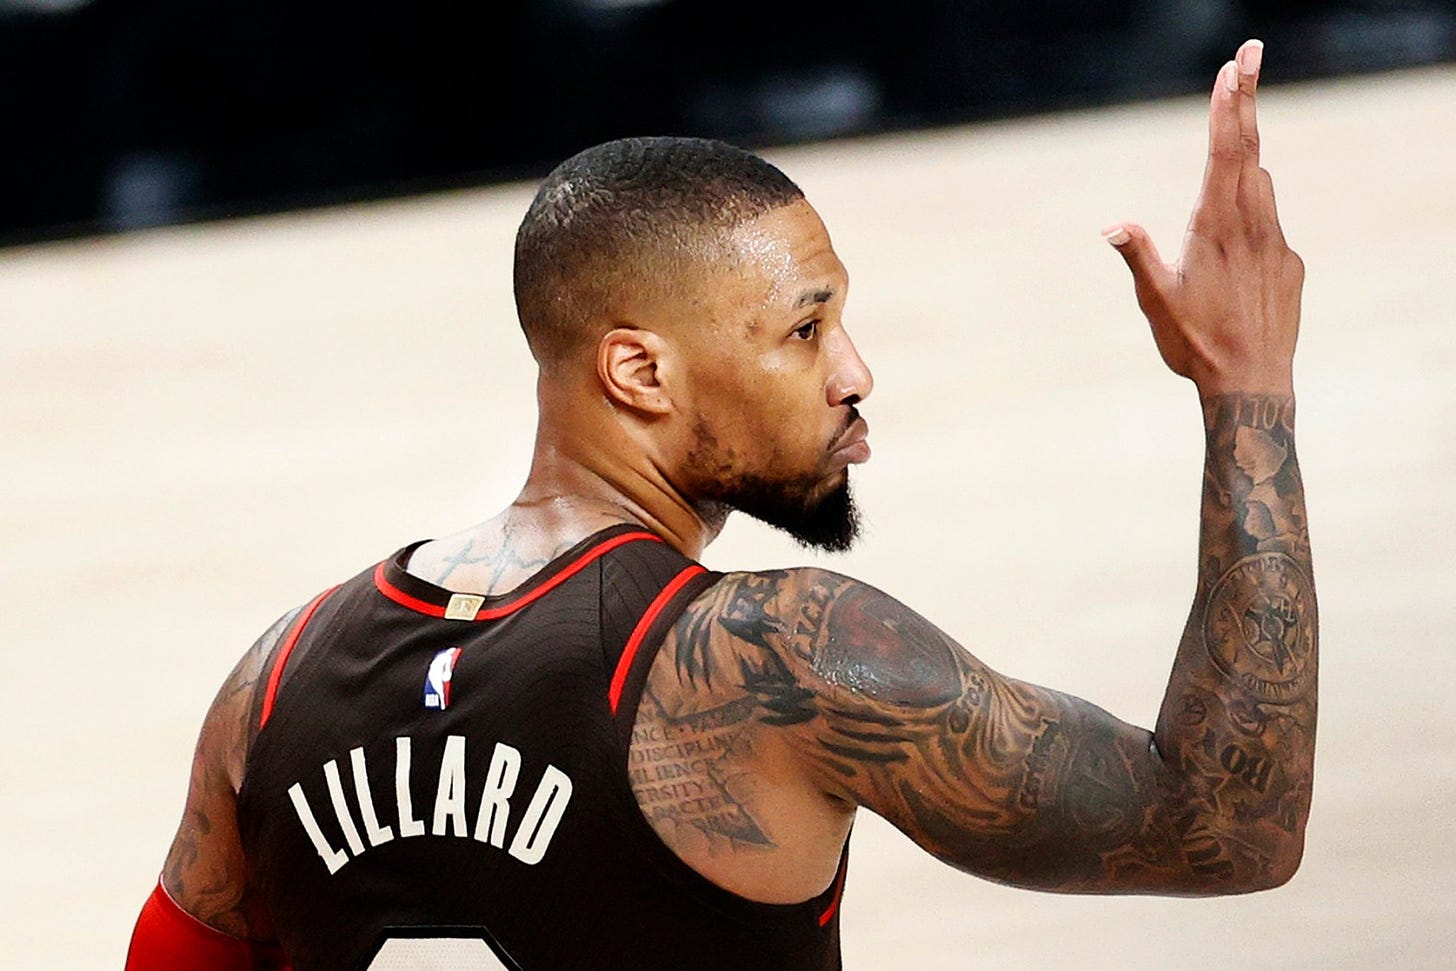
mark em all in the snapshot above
pixel 1030 786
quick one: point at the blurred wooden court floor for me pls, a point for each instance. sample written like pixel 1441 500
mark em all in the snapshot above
pixel 204 426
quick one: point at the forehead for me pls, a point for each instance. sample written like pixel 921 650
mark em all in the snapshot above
pixel 784 253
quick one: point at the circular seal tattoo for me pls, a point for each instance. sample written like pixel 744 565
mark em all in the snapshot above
pixel 1257 627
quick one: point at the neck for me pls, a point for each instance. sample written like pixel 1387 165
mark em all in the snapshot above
pixel 584 471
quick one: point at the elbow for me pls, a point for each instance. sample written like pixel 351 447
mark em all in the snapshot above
pixel 1261 853
pixel 1287 853
pixel 1271 879
pixel 1272 872
pixel 1284 865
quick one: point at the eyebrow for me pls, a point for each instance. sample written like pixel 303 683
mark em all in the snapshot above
pixel 814 296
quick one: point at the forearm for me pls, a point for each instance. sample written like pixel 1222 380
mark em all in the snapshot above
pixel 1237 726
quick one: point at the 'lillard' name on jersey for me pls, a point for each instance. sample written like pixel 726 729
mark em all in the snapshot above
pixel 447 769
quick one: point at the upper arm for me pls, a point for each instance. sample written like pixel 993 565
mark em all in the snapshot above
pixel 999 777
pixel 205 872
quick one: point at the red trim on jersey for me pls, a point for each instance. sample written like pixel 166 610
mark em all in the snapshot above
pixel 624 664
pixel 381 582
pixel 829 911
pixel 276 675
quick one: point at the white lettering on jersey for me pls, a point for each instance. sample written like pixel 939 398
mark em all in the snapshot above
pixel 333 859
pixel 450 792
pixel 542 816
pixel 408 825
pixel 500 782
pixel 341 808
pixel 528 844
pixel 377 834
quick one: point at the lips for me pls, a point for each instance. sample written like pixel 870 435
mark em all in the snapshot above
pixel 853 446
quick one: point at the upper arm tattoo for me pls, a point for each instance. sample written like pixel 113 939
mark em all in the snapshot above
pixel 205 871
pixel 1013 782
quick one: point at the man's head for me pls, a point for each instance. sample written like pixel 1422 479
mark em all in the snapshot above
pixel 687 287
pixel 629 215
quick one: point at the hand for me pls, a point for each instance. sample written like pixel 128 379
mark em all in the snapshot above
pixel 1226 314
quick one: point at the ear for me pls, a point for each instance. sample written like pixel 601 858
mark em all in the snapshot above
pixel 631 364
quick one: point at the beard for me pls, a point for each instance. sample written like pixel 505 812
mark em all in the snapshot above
pixel 816 517
pixel 829 522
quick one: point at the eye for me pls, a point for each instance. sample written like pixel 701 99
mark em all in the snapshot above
pixel 807 331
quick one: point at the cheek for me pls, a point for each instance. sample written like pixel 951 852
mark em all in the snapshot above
pixel 770 413
pixel 790 383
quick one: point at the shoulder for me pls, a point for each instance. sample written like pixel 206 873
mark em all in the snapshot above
pixel 833 633
pixel 232 720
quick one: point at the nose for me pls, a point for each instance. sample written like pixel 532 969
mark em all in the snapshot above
pixel 850 381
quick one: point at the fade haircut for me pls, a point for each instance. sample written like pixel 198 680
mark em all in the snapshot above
pixel 631 213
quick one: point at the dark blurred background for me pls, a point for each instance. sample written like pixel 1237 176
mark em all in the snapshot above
pixel 119 114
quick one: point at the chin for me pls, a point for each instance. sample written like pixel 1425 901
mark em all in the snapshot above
pixel 818 511
pixel 818 516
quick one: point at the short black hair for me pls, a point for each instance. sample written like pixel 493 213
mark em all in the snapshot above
pixel 625 213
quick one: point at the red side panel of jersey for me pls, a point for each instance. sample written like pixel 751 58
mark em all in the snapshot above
pixel 167 938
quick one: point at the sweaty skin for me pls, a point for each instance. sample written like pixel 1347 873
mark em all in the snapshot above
pixel 808 675
pixel 827 679
pixel 806 694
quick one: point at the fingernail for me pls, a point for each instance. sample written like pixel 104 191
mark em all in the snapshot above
pixel 1117 235
pixel 1230 75
pixel 1251 55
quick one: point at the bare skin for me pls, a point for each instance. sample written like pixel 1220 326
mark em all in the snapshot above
pixel 811 694
pixel 817 694
pixel 206 872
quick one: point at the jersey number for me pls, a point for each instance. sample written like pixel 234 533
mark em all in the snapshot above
pixel 438 954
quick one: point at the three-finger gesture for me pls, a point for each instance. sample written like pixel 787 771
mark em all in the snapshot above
pixel 1226 314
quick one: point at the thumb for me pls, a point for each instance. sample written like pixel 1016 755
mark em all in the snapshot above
pixel 1137 249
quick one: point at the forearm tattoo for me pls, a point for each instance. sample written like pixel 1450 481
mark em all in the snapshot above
pixel 1239 717
pixel 1019 783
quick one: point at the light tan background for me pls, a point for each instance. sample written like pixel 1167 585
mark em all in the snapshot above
pixel 204 426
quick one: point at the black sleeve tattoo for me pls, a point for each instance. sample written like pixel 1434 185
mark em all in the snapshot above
pixel 1034 787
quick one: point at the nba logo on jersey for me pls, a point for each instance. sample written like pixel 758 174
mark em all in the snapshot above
pixel 437 679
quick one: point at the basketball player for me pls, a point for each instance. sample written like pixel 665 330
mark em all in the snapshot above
pixel 554 741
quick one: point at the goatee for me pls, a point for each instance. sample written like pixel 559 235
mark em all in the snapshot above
pixel 823 521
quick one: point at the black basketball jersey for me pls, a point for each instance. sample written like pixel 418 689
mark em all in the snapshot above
pixel 441 780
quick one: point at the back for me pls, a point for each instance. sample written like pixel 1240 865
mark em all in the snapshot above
pixel 437 765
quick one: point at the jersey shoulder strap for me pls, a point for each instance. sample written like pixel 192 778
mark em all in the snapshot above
pixel 644 589
pixel 279 661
